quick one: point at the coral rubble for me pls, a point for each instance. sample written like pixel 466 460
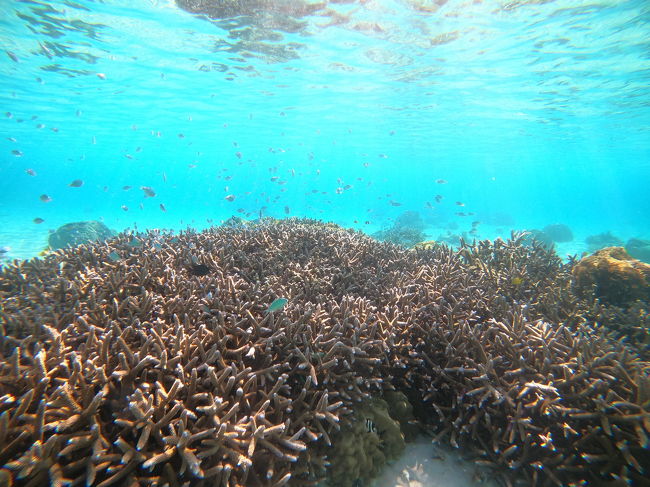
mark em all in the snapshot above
pixel 119 367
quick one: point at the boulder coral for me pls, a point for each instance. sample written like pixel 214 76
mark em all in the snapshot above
pixel 616 277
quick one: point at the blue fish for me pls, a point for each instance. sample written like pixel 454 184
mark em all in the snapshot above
pixel 277 305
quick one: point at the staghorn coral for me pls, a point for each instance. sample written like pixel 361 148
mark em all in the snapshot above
pixel 130 370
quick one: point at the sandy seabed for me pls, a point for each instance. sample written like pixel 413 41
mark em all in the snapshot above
pixel 426 465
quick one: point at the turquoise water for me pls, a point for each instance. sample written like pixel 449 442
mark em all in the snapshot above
pixel 533 112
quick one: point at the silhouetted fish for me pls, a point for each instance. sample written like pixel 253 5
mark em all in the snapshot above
pixel 148 192
pixel 45 198
pixel 38 221
pixel 77 183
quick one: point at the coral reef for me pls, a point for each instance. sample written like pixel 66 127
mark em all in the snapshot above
pixel 539 236
pixel 119 367
pixel 72 234
pixel 602 240
pixel 407 230
pixel 616 277
pixel 558 232
pixel 639 249
pixel 362 448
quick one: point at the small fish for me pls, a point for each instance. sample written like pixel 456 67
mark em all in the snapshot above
pixel 134 242
pixel 383 156
pixel 459 203
pixel 517 281
pixel 128 156
pixel 148 191
pixel 126 188
pixel 31 172
pixel 77 183
pixel 101 75
pixel 230 197
pixel 45 198
pixel 287 210
pixel 238 154
pixel 114 256
pixel 17 153
pixel 277 305
pixel 438 198
pixel 370 426
pixel 162 207
pixel 395 203
pixel 40 126
pixel 181 136
pixel 124 207
pixel 11 139
pixel 12 56
pixel 38 221
pixel 441 181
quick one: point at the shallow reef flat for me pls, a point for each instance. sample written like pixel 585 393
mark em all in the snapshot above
pixel 158 359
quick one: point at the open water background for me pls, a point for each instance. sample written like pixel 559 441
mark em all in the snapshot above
pixel 533 112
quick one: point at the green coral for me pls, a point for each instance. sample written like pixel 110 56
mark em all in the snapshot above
pixel 401 410
pixel 362 448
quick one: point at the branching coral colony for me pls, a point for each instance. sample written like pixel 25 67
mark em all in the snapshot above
pixel 121 367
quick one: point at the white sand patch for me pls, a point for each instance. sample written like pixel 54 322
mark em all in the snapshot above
pixel 426 465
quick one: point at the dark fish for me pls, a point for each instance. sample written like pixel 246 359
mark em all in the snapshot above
pixel 198 269
pixel 287 210
pixel 38 221
pixel 17 153
pixel 77 183
pixel 148 192
pixel 395 203
pixel 383 156
pixel 125 208
pixel 12 56
pixel 438 198
pixel 45 198
pixel 230 197
pixel 126 188
pixel 441 181
pixel 460 203
pixel 40 126
pixel 162 207
pixel 31 172
pixel 181 136
pixel 238 154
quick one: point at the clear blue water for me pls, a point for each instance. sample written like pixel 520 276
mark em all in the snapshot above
pixel 533 112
